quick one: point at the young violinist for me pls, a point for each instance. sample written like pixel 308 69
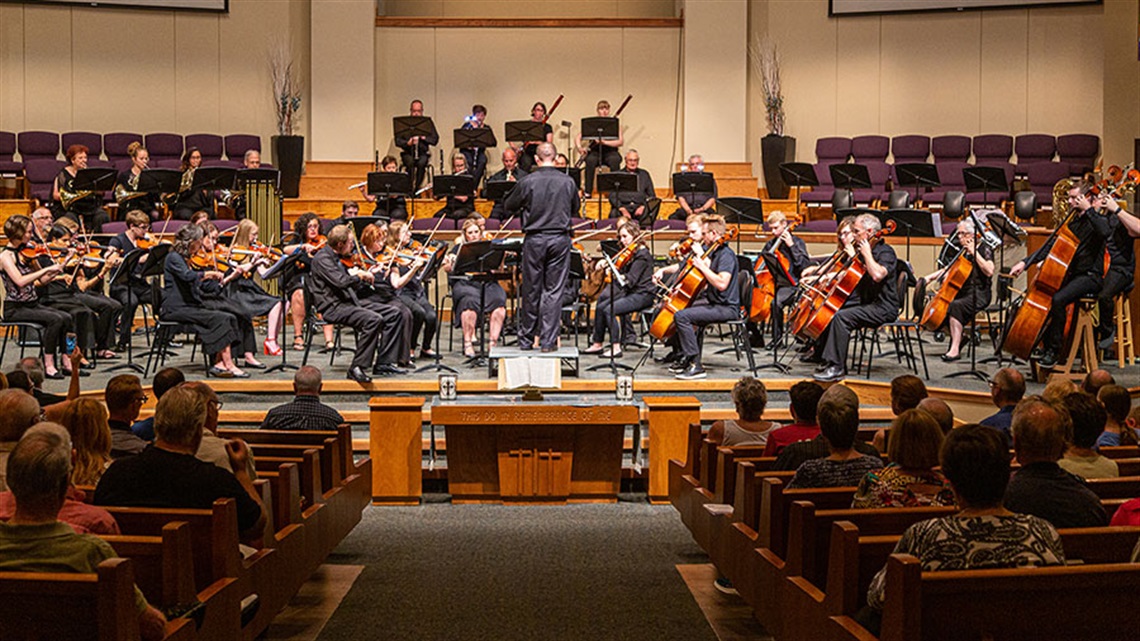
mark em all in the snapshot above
pixel 635 264
pixel 1124 229
pixel 183 300
pixel 58 293
pixel 247 296
pixel 307 238
pixel 213 257
pixel 466 295
pixel 793 252
pixel 22 302
pixel 974 294
pixel 190 200
pixel 720 301
pixel 873 302
pixel 81 282
pixel 135 290
pixel 127 192
pixel 384 293
pixel 82 205
pixel 1085 274
pixel 412 292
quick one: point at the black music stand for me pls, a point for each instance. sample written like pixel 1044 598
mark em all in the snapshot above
pixel 408 127
pixel 153 268
pixel 428 272
pixel 278 270
pixel 985 180
pixel 474 138
pixel 742 210
pixel 617 181
pixel 693 182
pixel 160 181
pixel 780 279
pixel 360 223
pixel 121 276
pixel 599 128
pixel 525 131
pixel 919 175
pixel 850 176
pixel 478 261
pixel 575 174
pixel 799 174
pixel 384 184
pixel 453 185
pixel 214 178
pixel 97 179
pixel 918 223
pixel 497 190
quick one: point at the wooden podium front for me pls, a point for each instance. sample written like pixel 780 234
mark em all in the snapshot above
pixel 541 453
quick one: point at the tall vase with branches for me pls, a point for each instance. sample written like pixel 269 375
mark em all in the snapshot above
pixel 288 147
pixel 775 148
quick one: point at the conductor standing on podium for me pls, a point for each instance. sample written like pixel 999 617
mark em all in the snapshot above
pixel 544 201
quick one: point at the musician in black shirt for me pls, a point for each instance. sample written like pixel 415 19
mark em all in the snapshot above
pixel 600 153
pixel 458 205
pixel 794 250
pixel 127 194
pixel 416 150
pixel 694 202
pixel 1124 228
pixel 1086 270
pixel 634 295
pixel 974 295
pixel 83 205
pixel 392 206
pixel 510 172
pixel 190 201
pixel 632 204
pixel 527 153
pixel 545 200
pixel 476 156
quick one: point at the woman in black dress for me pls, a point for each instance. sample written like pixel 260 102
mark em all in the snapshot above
pixel 190 200
pixel 306 238
pixel 412 292
pixel 86 209
pixel 21 301
pixel 127 192
pixel 974 295
pixel 221 300
pixel 466 295
pixel 248 297
pixel 526 154
pixel 614 300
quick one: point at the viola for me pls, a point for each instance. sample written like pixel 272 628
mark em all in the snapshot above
pixel 689 284
pixel 207 261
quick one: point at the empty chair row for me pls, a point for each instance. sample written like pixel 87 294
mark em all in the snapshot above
pixel 162 146
pixel 1077 150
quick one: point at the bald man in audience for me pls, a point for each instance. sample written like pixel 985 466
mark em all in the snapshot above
pixel 34 539
pixel 306 411
pixel 1041 429
pixel 1006 389
pixel 18 411
pixel 941 412
pixel 1095 380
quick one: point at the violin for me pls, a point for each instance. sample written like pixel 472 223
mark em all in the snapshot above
pixel 149 242
pixel 207 261
pixel 31 254
pixel 623 257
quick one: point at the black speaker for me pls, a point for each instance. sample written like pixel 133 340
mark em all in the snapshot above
pixel 289 157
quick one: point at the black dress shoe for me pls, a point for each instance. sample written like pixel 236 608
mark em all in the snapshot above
pixel 219 372
pixel 1048 359
pixel 87 365
pixel 691 373
pixel 832 374
pixel 57 376
pixel 358 375
pixel 550 350
pixel 671 357
pixel 386 369
pixel 950 359
pixel 1108 340
pixel 681 365
pixel 254 365
pixel 590 350
pixel 526 346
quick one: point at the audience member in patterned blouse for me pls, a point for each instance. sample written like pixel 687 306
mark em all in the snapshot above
pixel 804 397
pixel 838 416
pixel 750 397
pixel 306 411
pixel 910 479
pixel 983 534
pixel 1082 458
pixel 1117 403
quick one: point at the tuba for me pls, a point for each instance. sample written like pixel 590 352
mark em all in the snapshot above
pixel 1061 201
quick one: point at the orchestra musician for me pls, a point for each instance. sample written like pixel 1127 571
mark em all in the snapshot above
pixel 527 158
pixel 476 156
pixel 385 292
pixel 85 206
pixel 510 172
pixel 57 292
pixel 126 185
pixel 607 150
pixel 135 290
pixel 334 288
pixel 308 239
pixel 694 202
pixel 719 303
pixel 633 204
pixel 1085 274
pixel 22 302
pixel 348 210
pixel 251 160
pixel 183 301
pixel 545 201
pixel 873 302
pixel 412 291
pixel 221 298
pixel 190 201
pixel 1124 228
pixel 415 152
pixel 458 206
pixel 616 300
pixel 974 294
pixel 81 283
pixel 393 206
pixel 794 250
pixel 466 294
pixel 247 297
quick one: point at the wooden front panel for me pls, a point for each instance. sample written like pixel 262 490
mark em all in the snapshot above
pixel 396 447
pixel 669 420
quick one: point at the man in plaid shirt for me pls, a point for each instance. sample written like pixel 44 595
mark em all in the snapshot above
pixel 305 411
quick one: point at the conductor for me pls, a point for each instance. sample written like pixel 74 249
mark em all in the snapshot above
pixel 543 200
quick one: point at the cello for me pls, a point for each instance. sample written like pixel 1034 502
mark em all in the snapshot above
pixel 765 290
pixel 689 284
pixel 955 277
pixel 827 302
pixel 1030 320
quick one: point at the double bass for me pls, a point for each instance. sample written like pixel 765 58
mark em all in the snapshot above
pixel 765 290
pixel 1031 317
pixel 820 305
pixel 689 284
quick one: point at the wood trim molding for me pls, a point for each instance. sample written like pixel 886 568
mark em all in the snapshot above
pixel 530 23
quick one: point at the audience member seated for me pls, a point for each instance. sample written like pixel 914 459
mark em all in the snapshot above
pixel 910 479
pixel 305 411
pixel 804 397
pixel 213 448
pixel 1133 421
pixel 1117 403
pixel 1041 487
pixel 838 416
pixel 34 539
pixel 907 391
pixel 86 422
pixel 750 397
pixel 83 517
pixel 167 474
pixel 1082 458
pixel 21 380
pixel 18 411
pixel 1006 390
pixel 941 412
pixel 1095 380
pixel 984 534
pixel 124 397
pixel 34 368
pixel 164 381
pixel 1058 388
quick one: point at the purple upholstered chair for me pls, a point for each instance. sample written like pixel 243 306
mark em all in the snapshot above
pixel 37 144
pixel 668 224
pixel 165 163
pixel 223 225
pixel 826 189
pixel 910 149
pixel 121 164
pixel 492 224
pixel 41 173
pixel 514 225
pixel 115 227
pixel 866 148
pixel 164 146
pixel 209 144
pixel 89 139
pixel 8 164
pixel 115 144
pixel 992 148
pixel 950 148
pixel 1032 149
pixel 430 223
pixel 826 226
pixel 879 171
pixel 607 223
pixel 238 144
pixel 832 150
pixel 1079 150
pixel 950 175
pixel 1043 176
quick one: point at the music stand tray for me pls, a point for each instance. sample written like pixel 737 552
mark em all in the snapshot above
pixel 616 181
pixel 693 182
pixel 600 128
pixel 799 174
pixel 160 181
pixel 461 185
pixel 850 176
pixel 411 126
pixel 498 189
pixel 1010 232
pixel 383 183
pixel 525 131
pixel 475 137
pixel 776 269
pixel 479 257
